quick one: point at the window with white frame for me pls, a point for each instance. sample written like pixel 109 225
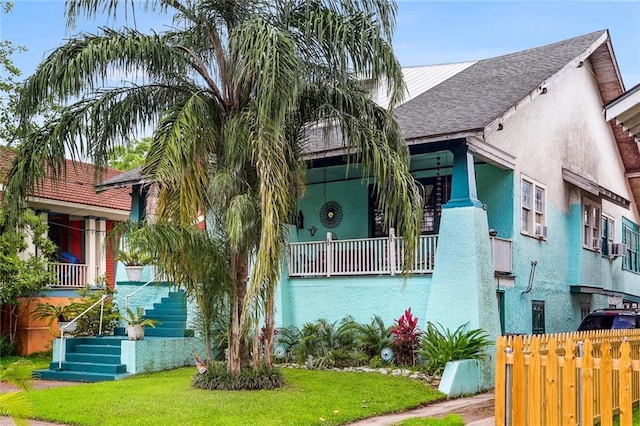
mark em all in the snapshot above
pixel 533 202
pixel 591 221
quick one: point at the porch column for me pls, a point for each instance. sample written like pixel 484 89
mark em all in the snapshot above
pixel 90 252
pixel 462 286
pixel 463 180
pixel 101 247
pixel 28 239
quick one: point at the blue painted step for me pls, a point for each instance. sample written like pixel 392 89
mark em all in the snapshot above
pixel 77 376
pixel 90 367
pixel 98 349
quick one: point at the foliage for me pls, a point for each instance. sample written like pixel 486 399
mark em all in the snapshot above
pixel 127 157
pixel 7 347
pixel 439 346
pixel 168 398
pixel 137 318
pixel 324 344
pixel 373 337
pixel 51 313
pixel 198 262
pixel 233 93
pixel 89 323
pixel 21 277
pixel 406 338
pixel 217 377
pixel 133 258
pixel 16 404
pixel 288 343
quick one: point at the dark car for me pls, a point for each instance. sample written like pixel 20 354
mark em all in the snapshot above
pixel 611 319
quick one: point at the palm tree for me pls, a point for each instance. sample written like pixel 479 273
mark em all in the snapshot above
pixel 233 91
pixel 15 404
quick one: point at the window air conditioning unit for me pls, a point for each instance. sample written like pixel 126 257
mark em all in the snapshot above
pixel 596 244
pixel 541 231
pixel 618 250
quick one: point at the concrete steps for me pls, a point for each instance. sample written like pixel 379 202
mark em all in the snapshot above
pixel 88 359
pixel 96 359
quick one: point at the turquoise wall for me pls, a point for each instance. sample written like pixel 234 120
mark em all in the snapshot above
pixel 352 195
pixel 495 190
pixel 308 299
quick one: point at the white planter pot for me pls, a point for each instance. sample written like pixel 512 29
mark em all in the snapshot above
pixel 69 329
pixel 134 272
pixel 135 332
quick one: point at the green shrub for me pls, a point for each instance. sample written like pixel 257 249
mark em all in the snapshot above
pixel 439 346
pixel 217 377
pixel 373 337
pixel 7 347
pixel 287 344
pixel 324 344
pixel 89 323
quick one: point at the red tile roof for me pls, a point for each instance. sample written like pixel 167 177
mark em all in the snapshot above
pixel 78 187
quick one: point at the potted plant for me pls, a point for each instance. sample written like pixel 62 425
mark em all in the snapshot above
pixel 134 262
pixel 64 315
pixel 136 322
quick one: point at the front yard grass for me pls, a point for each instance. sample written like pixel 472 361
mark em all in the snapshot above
pixel 308 398
pixel 40 361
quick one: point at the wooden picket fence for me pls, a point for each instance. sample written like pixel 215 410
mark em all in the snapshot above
pixel 564 379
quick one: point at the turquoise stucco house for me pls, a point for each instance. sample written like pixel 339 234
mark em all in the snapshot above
pixel 530 219
pixel 531 213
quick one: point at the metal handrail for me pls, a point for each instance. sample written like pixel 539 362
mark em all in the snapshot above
pixel 133 293
pixel 62 328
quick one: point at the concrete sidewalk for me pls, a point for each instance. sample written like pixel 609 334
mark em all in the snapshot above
pixel 439 409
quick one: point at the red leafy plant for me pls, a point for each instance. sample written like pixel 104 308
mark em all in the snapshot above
pixel 406 339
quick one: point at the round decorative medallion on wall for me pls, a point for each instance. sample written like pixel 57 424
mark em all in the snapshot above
pixel 331 214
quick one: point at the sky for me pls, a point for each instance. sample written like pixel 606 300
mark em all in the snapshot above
pixel 428 32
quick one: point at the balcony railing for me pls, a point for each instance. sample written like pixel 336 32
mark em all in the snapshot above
pixel 71 275
pixel 367 256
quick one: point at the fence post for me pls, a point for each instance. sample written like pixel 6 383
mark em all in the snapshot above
pixel 579 385
pixel 507 387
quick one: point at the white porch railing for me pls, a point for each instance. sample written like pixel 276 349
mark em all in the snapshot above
pixel 501 252
pixel 367 256
pixel 71 274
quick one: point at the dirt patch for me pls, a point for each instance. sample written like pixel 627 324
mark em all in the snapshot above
pixel 473 412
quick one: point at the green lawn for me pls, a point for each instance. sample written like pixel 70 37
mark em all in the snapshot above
pixel 448 420
pixel 309 398
pixel 40 361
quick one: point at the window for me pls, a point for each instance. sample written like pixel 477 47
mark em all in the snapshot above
pixel 608 231
pixel 585 308
pixel 591 220
pixel 537 318
pixel 437 192
pixel 631 237
pixel 533 209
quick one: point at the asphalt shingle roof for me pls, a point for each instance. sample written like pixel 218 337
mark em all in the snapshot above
pixel 473 98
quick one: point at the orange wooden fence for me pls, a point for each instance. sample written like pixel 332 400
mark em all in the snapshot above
pixel 567 379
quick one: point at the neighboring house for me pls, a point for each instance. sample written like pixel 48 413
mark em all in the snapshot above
pixel 531 201
pixel 78 220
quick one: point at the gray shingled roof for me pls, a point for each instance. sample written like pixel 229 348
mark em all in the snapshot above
pixel 128 178
pixel 475 97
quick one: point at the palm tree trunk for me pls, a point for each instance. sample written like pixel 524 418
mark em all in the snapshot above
pixel 268 332
pixel 238 355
